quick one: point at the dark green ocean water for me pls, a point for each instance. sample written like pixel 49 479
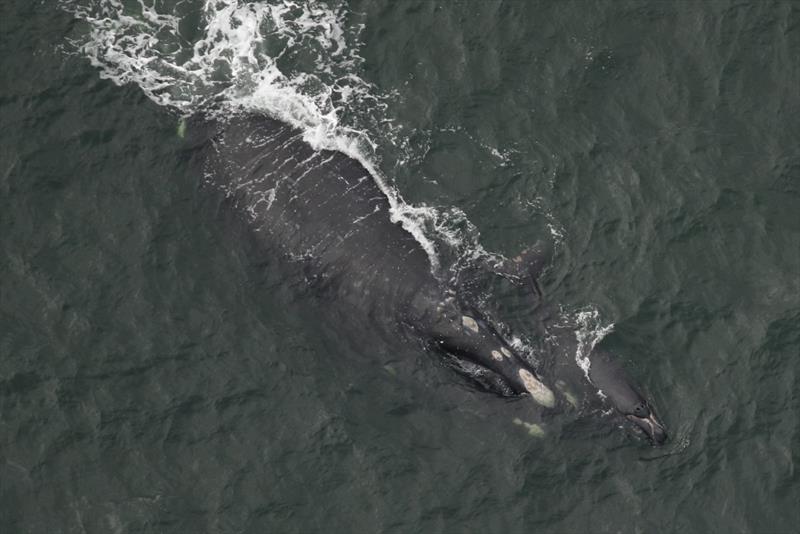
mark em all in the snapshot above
pixel 157 376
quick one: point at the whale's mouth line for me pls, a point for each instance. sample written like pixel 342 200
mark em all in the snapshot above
pixel 651 426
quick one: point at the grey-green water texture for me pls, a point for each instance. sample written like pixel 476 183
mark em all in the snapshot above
pixel 157 375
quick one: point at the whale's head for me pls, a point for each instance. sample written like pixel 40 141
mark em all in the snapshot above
pixel 625 397
pixel 470 338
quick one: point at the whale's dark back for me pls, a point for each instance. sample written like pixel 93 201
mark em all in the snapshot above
pixel 321 209
pixel 324 211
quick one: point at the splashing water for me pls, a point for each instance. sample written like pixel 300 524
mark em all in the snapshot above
pixel 589 331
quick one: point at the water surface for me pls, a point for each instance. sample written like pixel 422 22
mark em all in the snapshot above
pixel 157 375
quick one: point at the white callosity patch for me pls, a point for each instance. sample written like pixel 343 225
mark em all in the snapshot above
pixel 539 392
pixel 470 323
pixel 497 355
pixel 506 352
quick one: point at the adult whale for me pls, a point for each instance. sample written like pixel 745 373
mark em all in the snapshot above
pixel 323 212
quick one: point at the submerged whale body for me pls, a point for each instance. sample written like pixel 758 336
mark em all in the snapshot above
pixel 324 212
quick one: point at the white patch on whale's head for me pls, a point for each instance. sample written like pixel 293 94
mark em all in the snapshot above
pixel 506 352
pixel 540 393
pixel 470 323
pixel 497 355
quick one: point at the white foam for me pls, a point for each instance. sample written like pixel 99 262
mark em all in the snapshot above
pixel 589 331
pixel 557 231
pixel 538 391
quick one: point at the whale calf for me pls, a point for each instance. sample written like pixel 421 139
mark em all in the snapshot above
pixel 323 213
pixel 609 376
